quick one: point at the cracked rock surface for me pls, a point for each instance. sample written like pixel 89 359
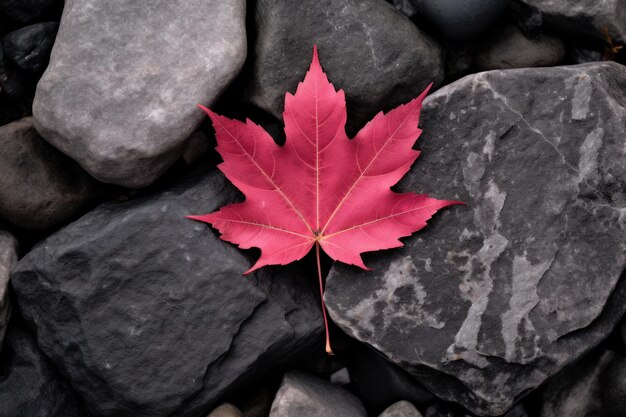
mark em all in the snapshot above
pixel 119 97
pixel 148 314
pixel 494 297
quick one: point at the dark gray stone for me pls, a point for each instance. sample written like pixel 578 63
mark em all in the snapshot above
pixel 583 18
pixel 509 48
pixel 8 258
pixel 147 312
pixel 492 298
pixel 125 76
pixel 577 391
pixel 30 386
pixel 29 47
pixel 408 7
pixel 614 388
pixel 39 186
pixel 401 409
pixel 461 20
pixel 26 10
pixel 301 394
pixel 367 48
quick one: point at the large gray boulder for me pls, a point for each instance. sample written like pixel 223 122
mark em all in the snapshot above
pixel 39 186
pixel 493 298
pixel 8 258
pixel 120 93
pixel 582 18
pixel 370 50
pixel 148 313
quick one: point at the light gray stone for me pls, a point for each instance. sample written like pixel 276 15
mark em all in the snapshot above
pixel 401 409
pixel 583 18
pixel 8 258
pixel 509 48
pixel 301 394
pixel 367 48
pixel 125 76
pixel 226 410
pixel 494 297
pixel 39 186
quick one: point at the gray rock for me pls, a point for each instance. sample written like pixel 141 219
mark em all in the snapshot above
pixel 461 20
pixel 401 409
pixel 29 47
pixel 8 258
pixel 147 312
pixel 39 186
pixel 583 18
pixel 367 48
pixel 484 304
pixel 301 394
pixel 511 49
pixel 577 391
pixel 30 386
pixel 226 410
pixel 408 7
pixel 120 98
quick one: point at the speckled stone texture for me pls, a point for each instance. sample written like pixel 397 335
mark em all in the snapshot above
pixel 8 258
pixel 301 394
pixel 120 93
pixel 368 49
pixel 147 312
pixel 583 18
pixel 494 297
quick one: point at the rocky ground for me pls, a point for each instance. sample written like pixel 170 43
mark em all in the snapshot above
pixel 112 304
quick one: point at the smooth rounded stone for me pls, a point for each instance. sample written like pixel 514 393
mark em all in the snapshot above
pixel 8 258
pixel 401 409
pixel 12 83
pixel 302 394
pixel 577 391
pixel 147 312
pixel 196 147
pixel 26 10
pixel 483 305
pixel 367 48
pixel 39 186
pixel 226 410
pixel 29 47
pixel 121 98
pixel 614 387
pixel 583 18
pixel 583 55
pixel 511 49
pixel 461 20
pixel 408 7
pixel 30 386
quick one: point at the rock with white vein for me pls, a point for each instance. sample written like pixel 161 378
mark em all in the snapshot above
pixel 494 297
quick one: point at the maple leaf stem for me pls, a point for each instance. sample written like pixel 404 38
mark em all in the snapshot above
pixel 319 276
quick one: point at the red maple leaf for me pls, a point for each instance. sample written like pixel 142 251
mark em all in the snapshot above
pixel 320 188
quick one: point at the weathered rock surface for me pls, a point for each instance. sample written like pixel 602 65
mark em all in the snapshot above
pixel 401 409
pixel 121 98
pixel 29 47
pixel 39 186
pixel 583 18
pixel 301 394
pixel 8 258
pixel 509 48
pixel 367 48
pixel 30 386
pixel 492 298
pixel 147 312
pixel 577 392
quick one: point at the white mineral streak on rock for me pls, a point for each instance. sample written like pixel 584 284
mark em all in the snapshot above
pixel 524 280
pixel 588 163
pixel 490 143
pixel 582 94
